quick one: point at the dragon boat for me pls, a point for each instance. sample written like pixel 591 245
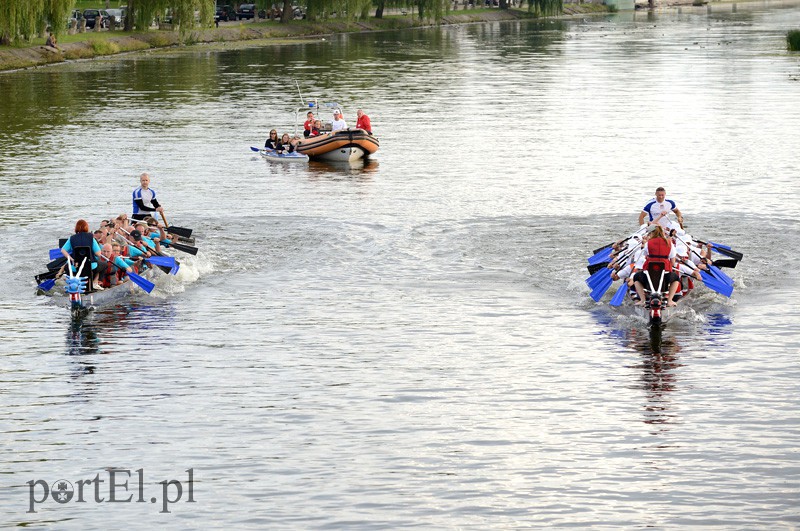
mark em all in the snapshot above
pixel 618 260
pixel 72 288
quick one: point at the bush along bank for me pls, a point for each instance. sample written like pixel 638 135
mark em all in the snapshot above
pixel 97 44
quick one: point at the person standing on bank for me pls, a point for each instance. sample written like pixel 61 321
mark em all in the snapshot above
pixel 659 208
pixel 144 199
pixel 363 121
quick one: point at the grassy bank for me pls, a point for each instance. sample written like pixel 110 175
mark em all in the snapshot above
pixel 95 44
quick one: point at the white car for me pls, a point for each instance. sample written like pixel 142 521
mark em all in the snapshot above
pixel 119 16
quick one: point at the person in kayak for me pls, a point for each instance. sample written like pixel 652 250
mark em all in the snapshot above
pixel 78 243
pixel 144 199
pixel 659 208
pixel 273 141
pixel 286 145
pixel 657 250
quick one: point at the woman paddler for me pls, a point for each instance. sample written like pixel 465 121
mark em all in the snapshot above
pixel 658 250
pixel 80 246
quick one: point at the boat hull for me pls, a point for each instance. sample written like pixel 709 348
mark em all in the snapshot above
pixel 272 156
pixel 98 299
pixel 340 146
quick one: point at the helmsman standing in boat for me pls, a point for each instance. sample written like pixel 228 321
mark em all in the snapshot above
pixel 144 199
pixel 659 208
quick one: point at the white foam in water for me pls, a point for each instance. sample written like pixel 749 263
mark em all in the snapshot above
pixel 192 268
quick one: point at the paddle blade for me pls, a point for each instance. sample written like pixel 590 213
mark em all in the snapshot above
pixel 597 267
pixel 167 261
pixel 720 275
pixel 598 292
pixel 141 282
pixel 729 253
pixel 619 296
pixel 56 264
pixel 174 270
pixel 715 285
pixel 48 284
pixel 185 248
pixel 724 262
pixel 602 256
pixel 601 248
pixel 55 254
pixel 180 231
pixel 255 149
pixel 598 277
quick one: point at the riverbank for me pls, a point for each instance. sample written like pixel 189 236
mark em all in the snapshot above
pixel 104 43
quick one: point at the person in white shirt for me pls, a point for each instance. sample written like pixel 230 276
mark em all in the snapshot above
pixel 338 121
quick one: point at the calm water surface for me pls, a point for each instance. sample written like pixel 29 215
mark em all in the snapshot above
pixel 409 343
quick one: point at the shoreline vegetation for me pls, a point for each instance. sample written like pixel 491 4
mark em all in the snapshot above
pixel 106 43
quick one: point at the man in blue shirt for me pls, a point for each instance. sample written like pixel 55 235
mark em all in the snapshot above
pixel 659 208
pixel 144 199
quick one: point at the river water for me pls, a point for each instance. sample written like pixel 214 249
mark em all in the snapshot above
pixel 409 342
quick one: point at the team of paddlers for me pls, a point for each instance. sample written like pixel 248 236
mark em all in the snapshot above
pixel 119 246
pixel 660 246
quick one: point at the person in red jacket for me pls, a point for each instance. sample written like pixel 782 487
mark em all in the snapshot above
pixel 363 122
pixel 658 250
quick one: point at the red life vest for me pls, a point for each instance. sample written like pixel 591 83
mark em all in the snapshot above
pixel 658 250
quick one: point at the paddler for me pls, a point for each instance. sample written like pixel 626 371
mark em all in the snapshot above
pixel 83 239
pixel 114 264
pixel 658 249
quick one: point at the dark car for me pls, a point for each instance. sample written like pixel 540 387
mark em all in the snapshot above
pixel 225 13
pixel 93 15
pixel 247 11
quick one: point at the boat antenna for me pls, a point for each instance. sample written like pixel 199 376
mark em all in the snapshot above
pixel 302 101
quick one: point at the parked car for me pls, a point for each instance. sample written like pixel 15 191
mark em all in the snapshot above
pixel 225 13
pixel 119 16
pixel 92 16
pixel 246 11
pixel 76 15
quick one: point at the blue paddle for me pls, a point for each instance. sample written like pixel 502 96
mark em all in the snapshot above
pixel 600 290
pixel 55 254
pixel 255 149
pixel 596 276
pixel 619 296
pixel 602 256
pixel 48 284
pixel 715 285
pixel 723 249
pixel 166 261
pixel 141 282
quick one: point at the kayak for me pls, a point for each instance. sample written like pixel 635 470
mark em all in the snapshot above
pixel 272 155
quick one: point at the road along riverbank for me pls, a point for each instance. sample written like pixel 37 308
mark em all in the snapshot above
pixel 89 45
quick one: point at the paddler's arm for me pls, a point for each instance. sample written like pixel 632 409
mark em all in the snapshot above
pixel 680 216
pixel 66 249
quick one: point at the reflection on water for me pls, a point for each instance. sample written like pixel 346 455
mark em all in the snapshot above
pixel 329 169
pixel 659 351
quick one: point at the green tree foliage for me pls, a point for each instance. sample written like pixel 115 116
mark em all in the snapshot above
pixel 24 19
pixel 546 8
pixel 793 40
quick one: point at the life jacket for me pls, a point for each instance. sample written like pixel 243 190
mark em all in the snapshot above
pixel 658 251
pixel 82 247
